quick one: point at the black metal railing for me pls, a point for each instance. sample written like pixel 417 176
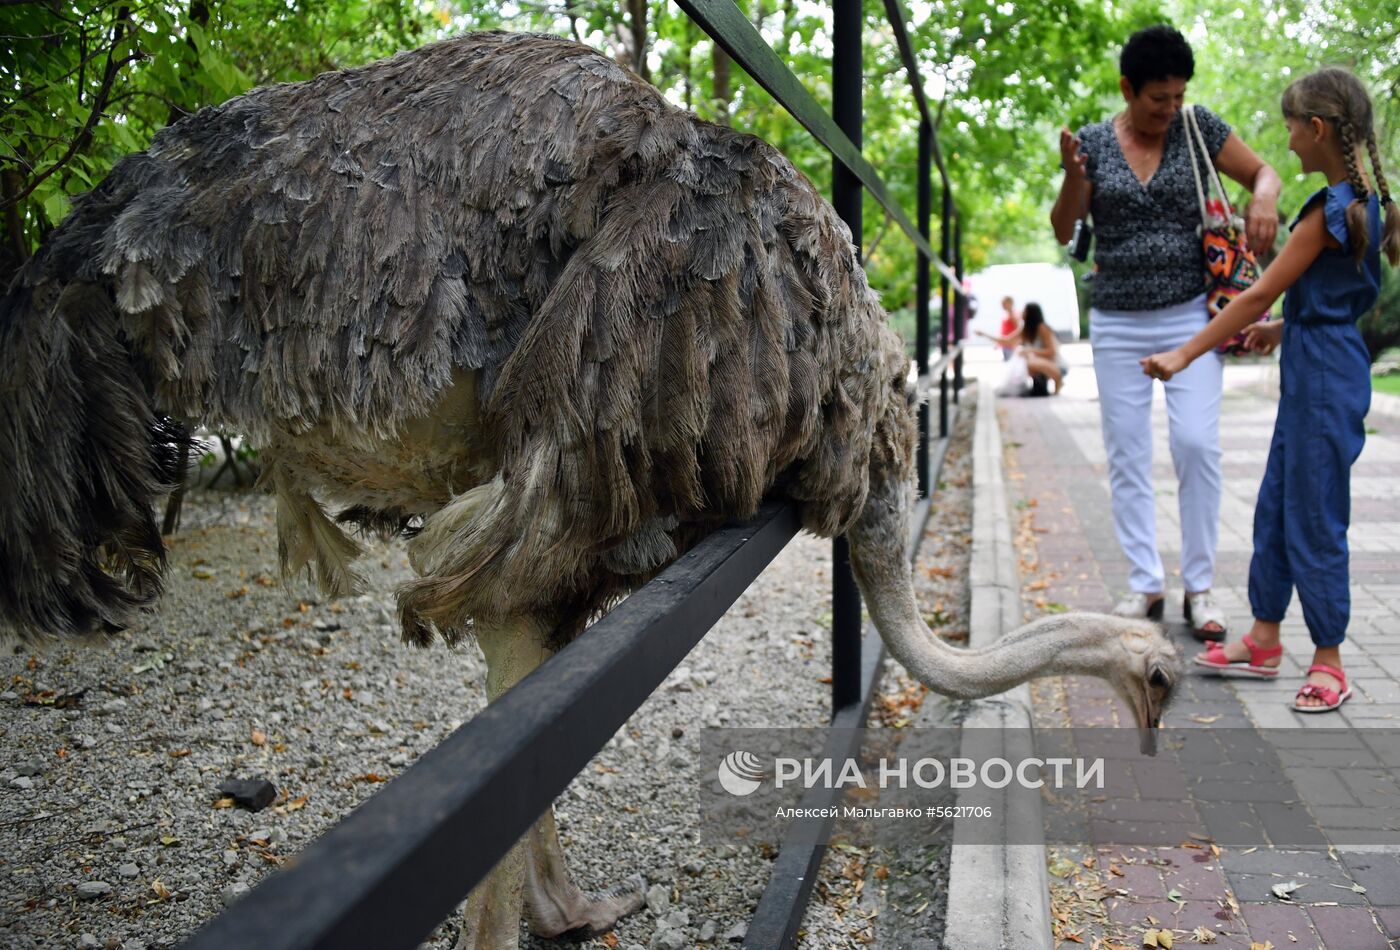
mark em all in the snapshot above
pixel 387 874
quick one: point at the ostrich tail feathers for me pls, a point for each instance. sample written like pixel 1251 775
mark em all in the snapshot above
pixel 83 456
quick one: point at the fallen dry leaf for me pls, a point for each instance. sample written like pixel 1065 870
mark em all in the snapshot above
pixel 161 891
pixel 179 753
pixel 1204 935
pixel 370 777
pixel 259 737
pixel 225 802
pixel 1266 945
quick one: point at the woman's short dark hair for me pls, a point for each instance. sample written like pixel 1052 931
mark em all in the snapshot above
pixel 1156 54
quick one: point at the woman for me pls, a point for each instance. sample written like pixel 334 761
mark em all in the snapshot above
pixel 1132 174
pixel 1037 346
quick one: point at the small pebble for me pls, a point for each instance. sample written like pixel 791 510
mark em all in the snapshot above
pixel 659 898
pixel 233 892
pixel 253 794
pixel 90 890
pixel 667 940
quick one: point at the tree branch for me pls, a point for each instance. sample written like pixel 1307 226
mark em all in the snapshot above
pixel 99 103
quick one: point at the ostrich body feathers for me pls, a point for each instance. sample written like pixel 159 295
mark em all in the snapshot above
pixel 498 284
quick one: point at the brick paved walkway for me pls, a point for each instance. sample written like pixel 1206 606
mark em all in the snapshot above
pixel 1313 799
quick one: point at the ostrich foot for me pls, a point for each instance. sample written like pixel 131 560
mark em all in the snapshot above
pixel 584 914
pixel 555 905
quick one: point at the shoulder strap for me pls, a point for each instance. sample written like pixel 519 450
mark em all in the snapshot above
pixel 1193 130
pixel 1188 123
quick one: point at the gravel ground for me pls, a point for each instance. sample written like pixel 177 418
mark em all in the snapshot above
pixel 112 832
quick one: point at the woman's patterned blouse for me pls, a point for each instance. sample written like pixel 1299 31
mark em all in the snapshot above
pixel 1147 242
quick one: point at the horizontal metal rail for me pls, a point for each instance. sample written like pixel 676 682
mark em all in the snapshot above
pixel 392 870
pixel 945 362
pixel 726 23
pixel 894 10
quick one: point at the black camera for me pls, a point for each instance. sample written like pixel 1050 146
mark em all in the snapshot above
pixel 1078 246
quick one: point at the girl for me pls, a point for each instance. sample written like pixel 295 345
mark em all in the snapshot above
pixel 1331 269
pixel 1038 345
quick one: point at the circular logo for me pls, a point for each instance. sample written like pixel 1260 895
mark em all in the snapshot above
pixel 741 773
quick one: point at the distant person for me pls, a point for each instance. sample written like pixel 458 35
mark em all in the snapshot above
pixel 1036 346
pixel 1133 174
pixel 1331 268
pixel 1010 324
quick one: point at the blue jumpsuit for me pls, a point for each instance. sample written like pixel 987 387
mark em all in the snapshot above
pixel 1304 506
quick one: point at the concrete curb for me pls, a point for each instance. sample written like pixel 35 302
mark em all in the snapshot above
pixel 1001 892
pixel 1384 404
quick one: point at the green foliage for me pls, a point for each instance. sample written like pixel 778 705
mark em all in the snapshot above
pixel 88 81
pixel 1381 327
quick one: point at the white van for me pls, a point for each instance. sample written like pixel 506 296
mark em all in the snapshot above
pixel 1050 285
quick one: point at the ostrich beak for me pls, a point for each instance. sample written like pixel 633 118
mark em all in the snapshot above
pixel 1152 697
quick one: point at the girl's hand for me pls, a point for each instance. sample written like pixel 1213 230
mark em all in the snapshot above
pixel 1263 338
pixel 1164 366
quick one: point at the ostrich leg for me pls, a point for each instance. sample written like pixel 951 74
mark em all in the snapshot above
pixel 533 876
pixel 555 905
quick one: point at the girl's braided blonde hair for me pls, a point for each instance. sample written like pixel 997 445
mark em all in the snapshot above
pixel 1337 96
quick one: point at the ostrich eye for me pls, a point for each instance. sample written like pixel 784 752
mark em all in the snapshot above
pixel 1158 678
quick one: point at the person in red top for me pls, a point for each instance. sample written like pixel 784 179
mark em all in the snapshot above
pixel 1010 325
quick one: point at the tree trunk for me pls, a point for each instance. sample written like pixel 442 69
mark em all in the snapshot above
pixel 722 93
pixel 637 17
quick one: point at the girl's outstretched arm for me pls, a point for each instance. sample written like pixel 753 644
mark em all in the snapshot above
pixel 1304 244
pixel 1007 341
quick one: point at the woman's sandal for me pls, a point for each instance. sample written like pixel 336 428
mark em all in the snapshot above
pixel 1201 610
pixel 1330 697
pixel 1214 659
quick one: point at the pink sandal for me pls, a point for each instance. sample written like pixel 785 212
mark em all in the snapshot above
pixel 1329 696
pixel 1214 659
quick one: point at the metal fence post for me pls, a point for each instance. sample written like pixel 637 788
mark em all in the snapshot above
pixel 945 309
pixel 846 196
pixel 921 294
pixel 960 311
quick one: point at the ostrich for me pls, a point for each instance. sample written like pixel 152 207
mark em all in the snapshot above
pixel 496 294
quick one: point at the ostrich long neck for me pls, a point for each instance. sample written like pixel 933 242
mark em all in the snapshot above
pixel 1047 647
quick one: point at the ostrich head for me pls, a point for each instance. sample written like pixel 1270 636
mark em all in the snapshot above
pixel 1134 656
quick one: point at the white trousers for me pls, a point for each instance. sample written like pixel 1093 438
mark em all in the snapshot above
pixel 1120 339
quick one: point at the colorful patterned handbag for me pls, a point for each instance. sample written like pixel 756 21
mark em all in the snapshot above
pixel 1230 264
